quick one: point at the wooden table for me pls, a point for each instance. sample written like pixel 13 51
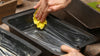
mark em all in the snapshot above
pixel 27 4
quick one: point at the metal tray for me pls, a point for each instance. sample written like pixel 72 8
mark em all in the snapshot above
pixel 11 45
pixel 85 14
pixel 55 34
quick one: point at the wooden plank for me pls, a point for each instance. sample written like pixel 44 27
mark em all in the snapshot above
pixel 27 4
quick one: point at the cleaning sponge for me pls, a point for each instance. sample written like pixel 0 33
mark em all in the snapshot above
pixel 38 23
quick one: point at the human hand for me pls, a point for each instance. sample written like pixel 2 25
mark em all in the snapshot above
pixel 47 6
pixel 70 51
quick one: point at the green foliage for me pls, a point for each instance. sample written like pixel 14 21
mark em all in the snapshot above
pixel 94 5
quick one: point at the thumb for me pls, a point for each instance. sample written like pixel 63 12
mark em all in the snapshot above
pixel 65 55
pixel 67 48
pixel 56 7
pixel 37 5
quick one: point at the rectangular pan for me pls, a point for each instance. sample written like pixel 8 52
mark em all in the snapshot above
pixel 11 45
pixel 55 34
pixel 85 14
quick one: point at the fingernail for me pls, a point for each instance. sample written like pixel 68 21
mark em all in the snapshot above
pixel 49 10
pixel 34 7
pixel 36 15
pixel 38 19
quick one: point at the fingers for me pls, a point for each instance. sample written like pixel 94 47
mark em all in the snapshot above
pixel 43 8
pixel 56 2
pixel 67 48
pixel 70 51
pixel 37 6
pixel 38 12
pixel 42 15
pixel 45 13
pixel 52 2
pixel 42 11
pixel 68 1
pixel 53 5
pixel 65 55
pixel 56 7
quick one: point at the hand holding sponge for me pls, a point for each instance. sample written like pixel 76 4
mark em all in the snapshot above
pixel 38 23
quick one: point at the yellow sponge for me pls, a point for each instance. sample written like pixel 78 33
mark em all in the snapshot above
pixel 38 23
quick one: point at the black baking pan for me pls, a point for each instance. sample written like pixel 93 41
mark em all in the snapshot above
pixel 55 34
pixel 11 45
pixel 85 14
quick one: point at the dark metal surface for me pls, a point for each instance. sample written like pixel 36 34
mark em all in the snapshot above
pixel 55 34
pixel 86 15
pixel 11 45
